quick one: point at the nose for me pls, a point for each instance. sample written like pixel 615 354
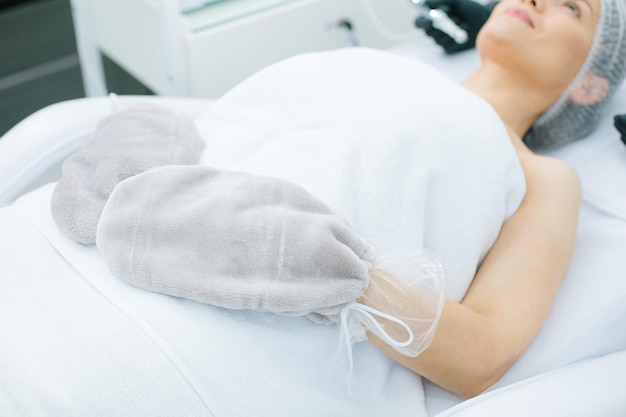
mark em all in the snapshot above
pixel 536 4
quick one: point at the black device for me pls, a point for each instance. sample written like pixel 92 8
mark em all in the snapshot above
pixel 620 125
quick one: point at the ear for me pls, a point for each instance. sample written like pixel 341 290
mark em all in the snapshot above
pixel 591 89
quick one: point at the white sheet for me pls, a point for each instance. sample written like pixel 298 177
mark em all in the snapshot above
pixel 82 342
pixel 588 388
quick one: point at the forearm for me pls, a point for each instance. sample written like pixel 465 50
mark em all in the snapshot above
pixel 471 348
pixel 464 356
pixel 477 341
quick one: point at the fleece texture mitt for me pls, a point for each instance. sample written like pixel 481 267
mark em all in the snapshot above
pixel 124 144
pixel 233 240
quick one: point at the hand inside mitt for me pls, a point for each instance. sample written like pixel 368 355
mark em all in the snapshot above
pixel 233 240
pixel 125 143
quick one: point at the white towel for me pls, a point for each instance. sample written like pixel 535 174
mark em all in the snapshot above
pixel 410 158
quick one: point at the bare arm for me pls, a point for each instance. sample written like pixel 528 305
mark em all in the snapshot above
pixel 479 339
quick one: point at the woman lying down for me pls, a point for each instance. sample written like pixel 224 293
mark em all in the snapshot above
pixel 359 188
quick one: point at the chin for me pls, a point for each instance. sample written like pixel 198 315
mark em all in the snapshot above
pixel 503 28
pixel 499 44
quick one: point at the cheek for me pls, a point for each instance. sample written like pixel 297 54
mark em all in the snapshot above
pixel 568 55
pixel 578 47
pixel 575 39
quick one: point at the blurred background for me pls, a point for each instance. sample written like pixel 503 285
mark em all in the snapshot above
pixel 55 50
pixel 39 63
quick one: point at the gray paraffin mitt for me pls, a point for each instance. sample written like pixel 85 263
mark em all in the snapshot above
pixel 233 240
pixel 125 143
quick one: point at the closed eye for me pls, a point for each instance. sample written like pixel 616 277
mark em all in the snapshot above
pixel 573 7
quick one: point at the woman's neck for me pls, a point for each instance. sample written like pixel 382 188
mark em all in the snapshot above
pixel 515 99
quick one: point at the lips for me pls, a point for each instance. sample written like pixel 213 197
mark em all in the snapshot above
pixel 521 14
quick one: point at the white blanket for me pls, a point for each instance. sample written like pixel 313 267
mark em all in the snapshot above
pixel 408 157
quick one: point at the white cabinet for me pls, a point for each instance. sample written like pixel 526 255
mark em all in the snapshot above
pixel 205 52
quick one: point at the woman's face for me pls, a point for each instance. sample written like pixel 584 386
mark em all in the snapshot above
pixel 548 40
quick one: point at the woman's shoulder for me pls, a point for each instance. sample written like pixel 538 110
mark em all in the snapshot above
pixel 551 178
pixel 547 167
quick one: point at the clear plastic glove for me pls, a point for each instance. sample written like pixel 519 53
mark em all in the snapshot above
pixel 402 304
pixel 467 14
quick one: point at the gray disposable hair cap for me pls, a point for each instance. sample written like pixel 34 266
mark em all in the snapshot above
pixel 567 120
